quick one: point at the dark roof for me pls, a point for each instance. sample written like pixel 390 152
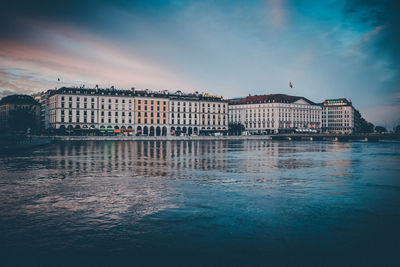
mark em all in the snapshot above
pixel 148 93
pixel 92 91
pixel 138 93
pixel 272 98
pixel 19 99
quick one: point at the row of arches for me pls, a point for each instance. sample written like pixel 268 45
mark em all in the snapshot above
pixel 213 128
pixel 70 127
pixel 186 130
pixel 116 127
pixel 151 131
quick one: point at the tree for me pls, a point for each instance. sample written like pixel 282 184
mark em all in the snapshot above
pixel 364 126
pixel 397 129
pixel 380 129
pixel 23 118
pixel 235 128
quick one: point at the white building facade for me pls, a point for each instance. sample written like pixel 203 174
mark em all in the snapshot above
pixel 338 116
pixel 213 114
pixel 184 114
pixel 102 109
pixel 275 113
pixel 137 112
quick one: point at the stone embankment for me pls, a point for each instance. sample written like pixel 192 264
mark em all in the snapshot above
pixel 289 137
pixel 158 138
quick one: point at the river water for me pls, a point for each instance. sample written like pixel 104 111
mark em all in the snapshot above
pixel 201 203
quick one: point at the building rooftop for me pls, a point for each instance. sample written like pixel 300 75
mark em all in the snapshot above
pixel 271 98
pixel 92 91
pixel 336 102
pixel 136 93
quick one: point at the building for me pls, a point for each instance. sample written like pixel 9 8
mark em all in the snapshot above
pixel 140 112
pixel 213 114
pixel 184 113
pixel 275 113
pixel 106 110
pixel 151 111
pixel 19 113
pixel 338 116
pixel 43 99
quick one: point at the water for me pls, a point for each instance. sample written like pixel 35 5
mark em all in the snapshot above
pixel 183 203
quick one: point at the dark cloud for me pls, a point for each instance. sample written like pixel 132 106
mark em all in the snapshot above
pixel 383 15
pixel 16 14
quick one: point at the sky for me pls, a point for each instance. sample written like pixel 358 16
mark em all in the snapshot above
pixel 327 49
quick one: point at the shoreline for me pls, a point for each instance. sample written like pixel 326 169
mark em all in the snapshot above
pixel 366 138
pixel 157 138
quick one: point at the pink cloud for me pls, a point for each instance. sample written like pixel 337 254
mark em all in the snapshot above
pixel 277 13
pixel 365 38
pixel 84 58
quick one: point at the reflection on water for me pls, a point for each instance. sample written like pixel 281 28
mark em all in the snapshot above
pixel 217 202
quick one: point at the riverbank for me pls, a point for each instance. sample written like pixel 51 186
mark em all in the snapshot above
pixel 158 138
pixel 289 137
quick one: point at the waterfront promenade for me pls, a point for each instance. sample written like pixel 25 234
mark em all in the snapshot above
pixel 289 137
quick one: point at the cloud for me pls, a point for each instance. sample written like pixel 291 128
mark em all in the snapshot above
pixel 277 13
pixel 77 56
pixel 383 21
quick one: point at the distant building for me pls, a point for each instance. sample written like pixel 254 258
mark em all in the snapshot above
pixel 339 116
pixel 43 99
pixel 19 113
pixel 275 113
pixel 107 110
pixel 184 113
pixel 141 112
pixel 213 114
pixel 151 111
